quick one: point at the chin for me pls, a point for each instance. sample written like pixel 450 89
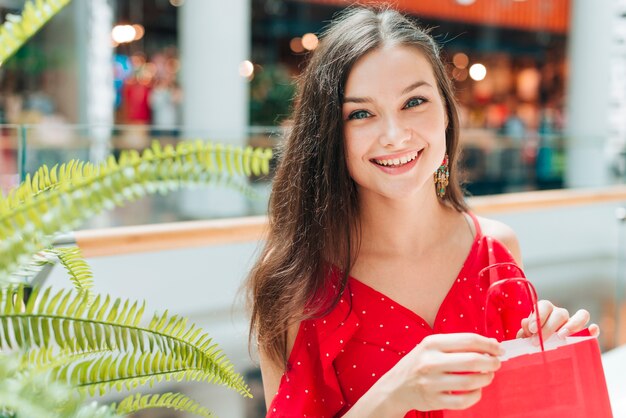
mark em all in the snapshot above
pixel 400 194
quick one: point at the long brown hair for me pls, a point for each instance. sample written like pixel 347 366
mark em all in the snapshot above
pixel 313 208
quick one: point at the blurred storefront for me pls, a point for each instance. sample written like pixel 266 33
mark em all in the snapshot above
pixel 179 68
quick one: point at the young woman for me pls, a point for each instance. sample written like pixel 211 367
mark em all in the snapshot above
pixel 366 301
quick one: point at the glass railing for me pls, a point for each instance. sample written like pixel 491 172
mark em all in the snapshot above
pixel 50 145
pixel 490 164
pixel 496 164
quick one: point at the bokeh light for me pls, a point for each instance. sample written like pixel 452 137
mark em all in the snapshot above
pixel 310 41
pixel 246 69
pixel 460 60
pixel 296 45
pixel 123 34
pixel 139 31
pixel 478 72
pixel 460 74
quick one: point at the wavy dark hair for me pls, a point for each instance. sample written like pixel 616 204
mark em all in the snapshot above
pixel 313 209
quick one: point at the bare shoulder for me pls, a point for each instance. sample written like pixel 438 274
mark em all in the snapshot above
pixel 503 233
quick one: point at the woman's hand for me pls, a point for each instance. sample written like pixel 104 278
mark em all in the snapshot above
pixel 444 371
pixel 555 320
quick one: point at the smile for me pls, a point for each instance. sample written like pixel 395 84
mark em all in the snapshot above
pixel 397 162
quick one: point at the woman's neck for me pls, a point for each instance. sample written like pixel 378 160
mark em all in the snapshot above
pixel 403 227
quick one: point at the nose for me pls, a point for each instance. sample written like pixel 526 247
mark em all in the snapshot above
pixel 394 132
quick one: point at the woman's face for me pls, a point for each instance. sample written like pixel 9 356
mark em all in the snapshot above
pixel 394 123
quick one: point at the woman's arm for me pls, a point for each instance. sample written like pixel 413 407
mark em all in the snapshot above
pixel 271 371
pixel 444 371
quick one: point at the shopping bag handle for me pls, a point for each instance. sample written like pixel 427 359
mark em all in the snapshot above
pixel 530 289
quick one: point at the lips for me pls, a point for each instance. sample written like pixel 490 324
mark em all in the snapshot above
pixel 396 161
pixel 394 165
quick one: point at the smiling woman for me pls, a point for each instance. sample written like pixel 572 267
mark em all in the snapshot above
pixel 389 122
pixel 367 300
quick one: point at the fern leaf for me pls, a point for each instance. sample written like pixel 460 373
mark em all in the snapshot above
pixel 80 274
pixel 35 210
pixel 177 401
pixel 54 358
pixel 26 391
pixel 18 29
pixel 37 263
pixel 110 349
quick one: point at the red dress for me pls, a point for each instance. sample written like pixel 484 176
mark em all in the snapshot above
pixel 337 358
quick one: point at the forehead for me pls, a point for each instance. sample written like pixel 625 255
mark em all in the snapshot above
pixel 390 68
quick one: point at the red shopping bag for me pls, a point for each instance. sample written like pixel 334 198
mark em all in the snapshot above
pixel 557 379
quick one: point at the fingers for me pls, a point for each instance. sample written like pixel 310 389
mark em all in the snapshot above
pixel 471 362
pixel 463 343
pixel 460 383
pixel 545 310
pixel 462 363
pixel 460 400
pixel 555 320
pixel 577 322
pixel 447 371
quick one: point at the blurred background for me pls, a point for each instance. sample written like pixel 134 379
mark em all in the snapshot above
pixel 542 88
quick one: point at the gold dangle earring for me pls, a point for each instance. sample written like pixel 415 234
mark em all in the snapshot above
pixel 441 177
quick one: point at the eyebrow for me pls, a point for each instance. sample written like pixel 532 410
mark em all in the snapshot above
pixel 369 99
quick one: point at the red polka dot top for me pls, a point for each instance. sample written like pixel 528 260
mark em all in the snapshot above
pixel 338 357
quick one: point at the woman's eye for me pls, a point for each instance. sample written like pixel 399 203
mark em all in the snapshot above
pixel 359 114
pixel 414 101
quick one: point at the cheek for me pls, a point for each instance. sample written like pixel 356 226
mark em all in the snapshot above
pixel 355 151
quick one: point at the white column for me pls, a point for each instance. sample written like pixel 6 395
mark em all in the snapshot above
pixel 617 112
pixel 84 89
pixel 98 68
pixel 588 94
pixel 214 38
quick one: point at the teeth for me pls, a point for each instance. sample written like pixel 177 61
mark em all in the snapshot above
pixel 398 161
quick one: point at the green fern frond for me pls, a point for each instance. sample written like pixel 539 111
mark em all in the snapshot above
pixel 18 29
pixel 45 179
pixel 93 410
pixel 69 257
pixel 34 266
pixel 165 349
pixel 33 393
pixel 54 358
pixel 177 401
pixel 30 215
pixel 80 274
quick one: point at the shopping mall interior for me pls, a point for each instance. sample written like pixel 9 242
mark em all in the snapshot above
pixel 542 98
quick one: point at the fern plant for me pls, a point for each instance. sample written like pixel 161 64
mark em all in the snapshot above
pixel 26 391
pixel 89 341
pixel 61 198
pixel 19 28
